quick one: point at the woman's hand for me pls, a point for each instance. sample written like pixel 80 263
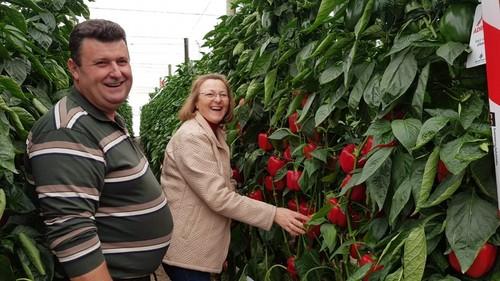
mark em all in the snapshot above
pixel 291 221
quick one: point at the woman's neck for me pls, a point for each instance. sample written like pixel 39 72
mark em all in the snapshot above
pixel 213 126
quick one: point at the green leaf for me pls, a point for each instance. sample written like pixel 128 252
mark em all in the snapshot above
pixel 269 83
pixel 307 106
pixel 417 103
pixel 329 233
pixel 280 134
pixel 483 173
pixel 360 86
pixel 429 129
pixel 451 50
pixel 321 154
pixel 399 200
pixel 348 63
pixel 278 115
pixel 365 18
pixel 18 69
pixel 41 35
pixel 6 269
pixel 15 37
pixel 238 48
pixel 428 179
pixel 266 19
pixel 3 202
pixel 31 251
pixel 323 113
pixel 470 222
pixel 325 43
pixel 398 76
pixel 306 261
pixel 310 168
pixel 304 54
pixel 374 162
pixel 26 118
pixel 372 95
pixel 401 167
pixel 445 190
pixel 262 64
pixel 16 18
pixel 378 184
pixel 472 150
pixel 395 276
pixel 404 42
pixel 471 109
pixel 7 153
pixel 330 74
pixel 325 8
pixel 57 73
pixel 406 131
pixel 360 272
pixel 448 154
pixel 415 254
pixel 378 128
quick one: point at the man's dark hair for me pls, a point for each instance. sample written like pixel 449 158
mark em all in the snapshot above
pixel 99 29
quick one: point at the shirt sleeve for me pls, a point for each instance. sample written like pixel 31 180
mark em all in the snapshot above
pixel 198 165
pixel 68 171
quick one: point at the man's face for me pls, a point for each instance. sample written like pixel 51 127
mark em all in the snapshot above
pixel 104 75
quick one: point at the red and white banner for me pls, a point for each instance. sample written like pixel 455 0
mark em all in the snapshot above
pixel 491 28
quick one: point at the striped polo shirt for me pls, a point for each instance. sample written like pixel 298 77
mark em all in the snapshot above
pixel 98 198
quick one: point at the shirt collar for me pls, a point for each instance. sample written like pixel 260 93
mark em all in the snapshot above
pixel 95 112
pixel 219 136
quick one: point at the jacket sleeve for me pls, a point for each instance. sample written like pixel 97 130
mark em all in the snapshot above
pixel 68 170
pixel 197 164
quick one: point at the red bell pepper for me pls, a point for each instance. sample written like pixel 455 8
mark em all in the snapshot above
pixel 269 183
pixel 313 231
pixel 292 205
pixel 236 175
pixel 292 180
pixel 354 250
pixel 442 171
pixel 358 192
pixel 290 267
pixel 305 209
pixel 292 122
pixel 483 263
pixel 347 159
pixel 308 149
pixel 256 195
pixel 367 147
pixel 336 215
pixel 274 164
pixel 304 100
pixel 263 142
pixel 287 154
pixel 366 259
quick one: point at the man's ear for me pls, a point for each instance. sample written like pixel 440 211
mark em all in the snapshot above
pixel 73 69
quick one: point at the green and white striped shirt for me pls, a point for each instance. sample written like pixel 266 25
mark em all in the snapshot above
pixel 98 198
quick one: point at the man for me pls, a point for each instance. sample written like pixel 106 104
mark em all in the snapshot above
pixel 104 211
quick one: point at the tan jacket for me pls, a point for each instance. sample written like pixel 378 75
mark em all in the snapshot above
pixel 196 178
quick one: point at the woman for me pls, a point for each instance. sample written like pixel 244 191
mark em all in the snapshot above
pixel 196 178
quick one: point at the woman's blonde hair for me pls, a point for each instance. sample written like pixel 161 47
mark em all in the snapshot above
pixel 188 109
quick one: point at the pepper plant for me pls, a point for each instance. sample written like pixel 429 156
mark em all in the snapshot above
pixel 33 53
pixel 380 90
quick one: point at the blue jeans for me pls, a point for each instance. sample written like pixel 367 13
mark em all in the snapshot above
pixel 182 274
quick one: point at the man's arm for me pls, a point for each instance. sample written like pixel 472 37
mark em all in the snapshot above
pixel 99 273
pixel 68 171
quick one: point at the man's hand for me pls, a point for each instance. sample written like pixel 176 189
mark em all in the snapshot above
pixel 100 273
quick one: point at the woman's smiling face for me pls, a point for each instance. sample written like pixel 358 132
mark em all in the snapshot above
pixel 213 100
